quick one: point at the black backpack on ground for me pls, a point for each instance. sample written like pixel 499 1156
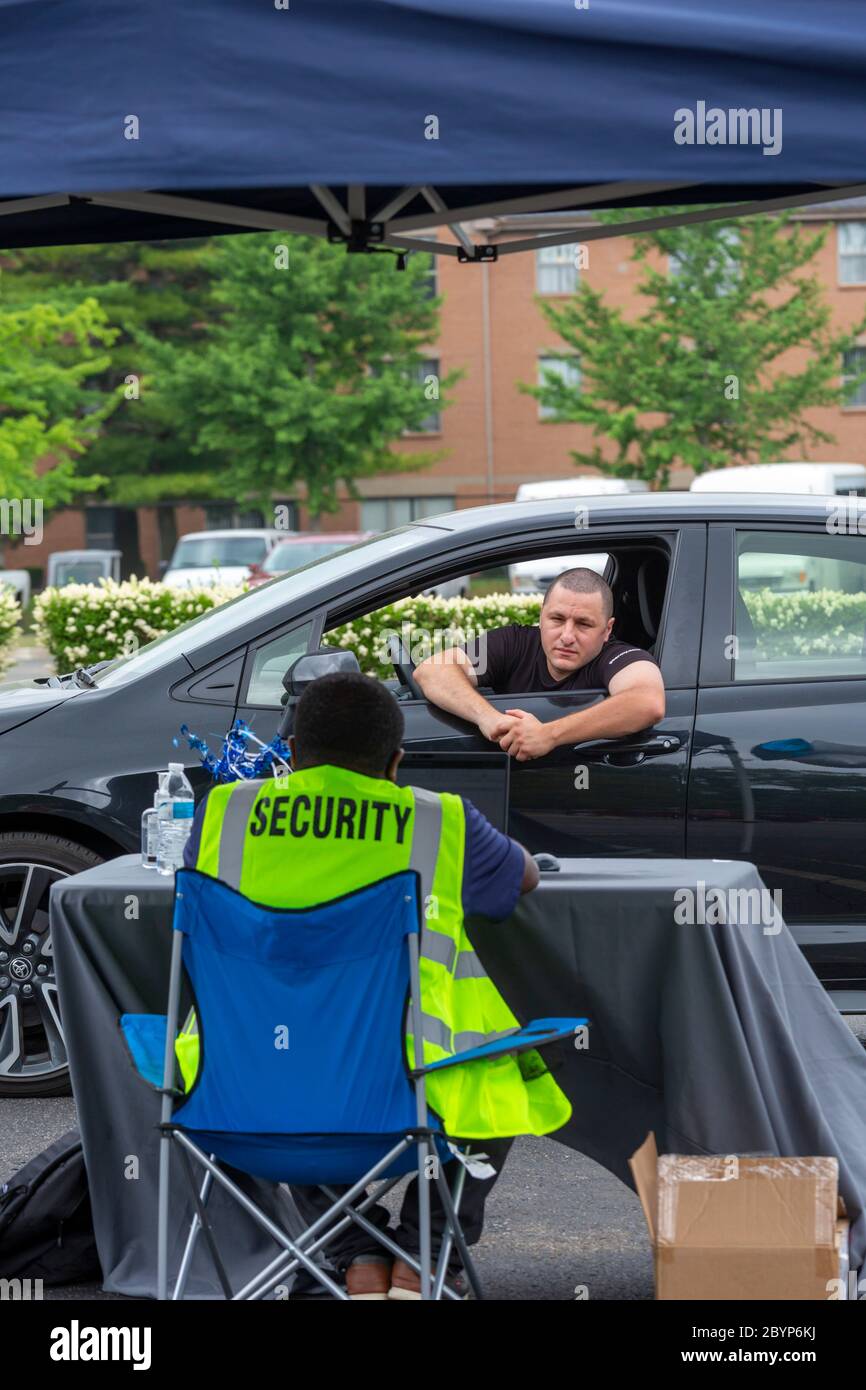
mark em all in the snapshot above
pixel 46 1227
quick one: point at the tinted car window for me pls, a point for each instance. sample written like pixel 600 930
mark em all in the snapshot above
pixel 800 606
pixel 79 572
pixel 290 557
pixel 272 661
pixel 271 598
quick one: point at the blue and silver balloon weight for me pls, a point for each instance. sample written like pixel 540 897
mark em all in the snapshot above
pixel 238 760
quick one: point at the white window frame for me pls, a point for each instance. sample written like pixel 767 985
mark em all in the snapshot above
pixel 845 256
pixel 556 269
pixel 571 375
pixel 417 505
pixel 857 402
pixel 429 366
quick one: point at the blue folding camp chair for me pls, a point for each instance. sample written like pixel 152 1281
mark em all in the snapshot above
pixel 302 1073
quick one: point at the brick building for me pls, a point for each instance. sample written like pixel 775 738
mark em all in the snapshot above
pixel 493 436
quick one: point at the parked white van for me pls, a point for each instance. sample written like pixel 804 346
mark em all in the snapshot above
pixel 534 576
pixel 203 558
pixel 19 582
pixel 821 479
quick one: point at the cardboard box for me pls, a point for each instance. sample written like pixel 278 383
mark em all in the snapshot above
pixel 726 1227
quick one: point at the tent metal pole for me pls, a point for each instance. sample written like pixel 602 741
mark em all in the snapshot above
pixel 357 202
pixel 415 243
pixel 196 209
pixel 50 200
pixel 438 205
pixel 389 210
pixel 333 207
pixel 681 219
pixel 567 199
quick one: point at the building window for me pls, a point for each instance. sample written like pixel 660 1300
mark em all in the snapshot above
pixel 225 516
pixel 426 376
pixel 556 269
pixel 722 264
pixel 430 282
pixel 218 516
pixel 100 528
pixel 566 369
pixel 851 244
pixel 853 365
pixel 384 513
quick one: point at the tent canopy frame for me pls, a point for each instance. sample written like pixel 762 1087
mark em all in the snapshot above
pixel 348 223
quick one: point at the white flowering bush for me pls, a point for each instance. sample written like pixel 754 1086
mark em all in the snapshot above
pixel 10 625
pixel 825 622
pixel 81 624
pixel 429 624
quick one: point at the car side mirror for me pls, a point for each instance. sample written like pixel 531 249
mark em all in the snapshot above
pixel 308 668
pixel 163 566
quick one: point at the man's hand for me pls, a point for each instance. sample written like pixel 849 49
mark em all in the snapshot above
pixel 496 726
pixel 528 737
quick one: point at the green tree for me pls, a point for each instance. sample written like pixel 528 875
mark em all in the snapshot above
pixel 311 365
pixel 49 358
pixel 158 289
pixel 702 379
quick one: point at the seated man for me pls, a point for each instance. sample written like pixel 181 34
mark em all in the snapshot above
pixel 570 649
pixel 340 822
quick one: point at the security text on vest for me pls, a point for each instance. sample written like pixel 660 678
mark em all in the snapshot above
pixel 337 817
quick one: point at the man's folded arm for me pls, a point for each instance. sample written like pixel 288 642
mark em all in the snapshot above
pixel 635 701
pixel 448 680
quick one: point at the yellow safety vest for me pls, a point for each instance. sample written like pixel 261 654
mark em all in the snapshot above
pixel 324 832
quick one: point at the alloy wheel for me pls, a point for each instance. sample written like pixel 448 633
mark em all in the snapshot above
pixel 31 1034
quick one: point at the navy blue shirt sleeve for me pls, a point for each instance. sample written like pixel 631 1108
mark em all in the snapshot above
pixel 492 868
pixel 190 849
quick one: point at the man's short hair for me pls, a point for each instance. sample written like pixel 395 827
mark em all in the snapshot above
pixel 348 720
pixel 584 581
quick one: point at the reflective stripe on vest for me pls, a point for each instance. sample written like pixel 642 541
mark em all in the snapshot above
pixel 434 946
pixel 233 830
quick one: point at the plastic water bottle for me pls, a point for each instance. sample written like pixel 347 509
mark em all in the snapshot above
pixel 174 820
pixel 150 824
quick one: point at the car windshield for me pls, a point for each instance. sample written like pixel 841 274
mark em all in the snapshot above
pixel 292 555
pixel 268 599
pixel 79 572
pixel 201 552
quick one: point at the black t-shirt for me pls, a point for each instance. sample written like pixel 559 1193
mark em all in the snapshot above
pixel 515 662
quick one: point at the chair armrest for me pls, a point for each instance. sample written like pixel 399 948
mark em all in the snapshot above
pixel 534 1036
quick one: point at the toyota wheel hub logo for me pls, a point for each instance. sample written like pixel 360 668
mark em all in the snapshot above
pixel 20 969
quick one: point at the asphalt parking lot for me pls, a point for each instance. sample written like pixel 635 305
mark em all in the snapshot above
pixel 558 1225
pixel 555 1220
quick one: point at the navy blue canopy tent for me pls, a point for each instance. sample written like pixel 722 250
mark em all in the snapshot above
pixel 371 120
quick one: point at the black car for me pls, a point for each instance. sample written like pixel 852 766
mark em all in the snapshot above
pixel 759 756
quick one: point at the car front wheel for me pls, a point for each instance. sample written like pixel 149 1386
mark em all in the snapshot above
pixel 32 1049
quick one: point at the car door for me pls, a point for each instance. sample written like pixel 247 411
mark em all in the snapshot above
pixel 779 762
pixel 610 796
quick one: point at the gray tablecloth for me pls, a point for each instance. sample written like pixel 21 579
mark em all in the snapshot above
pixel 716 1036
